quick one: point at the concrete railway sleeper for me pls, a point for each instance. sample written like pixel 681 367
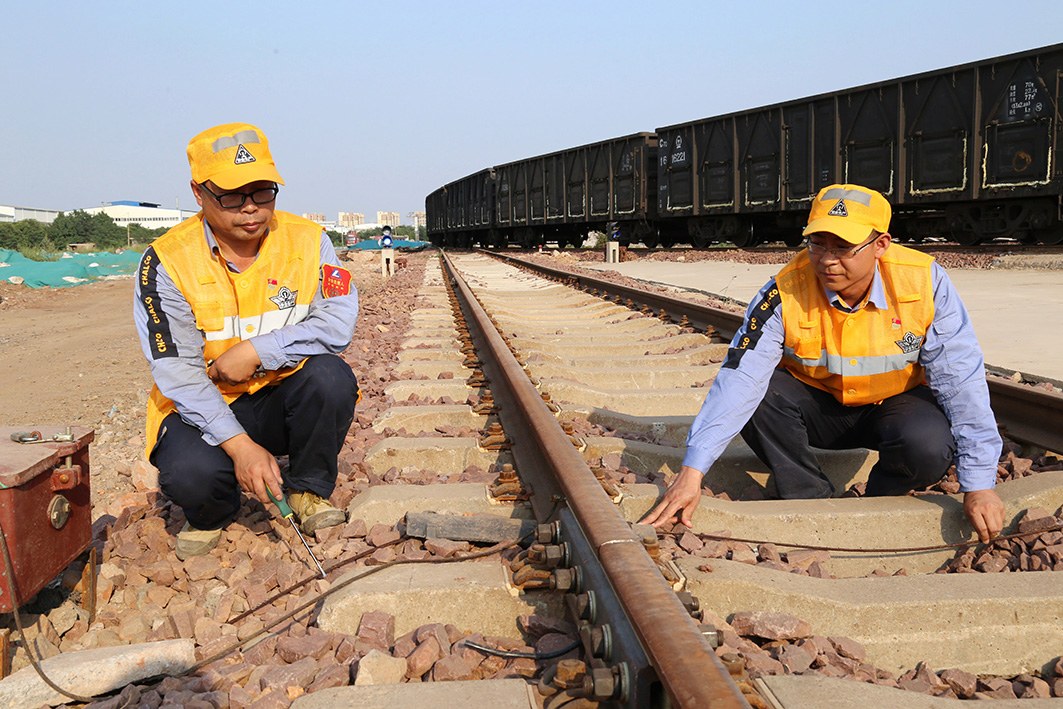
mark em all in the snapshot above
pixel 1008 626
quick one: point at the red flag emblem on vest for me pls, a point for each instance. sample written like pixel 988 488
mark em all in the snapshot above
pixel 335 281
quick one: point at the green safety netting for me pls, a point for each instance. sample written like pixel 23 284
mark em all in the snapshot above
pixel 68 270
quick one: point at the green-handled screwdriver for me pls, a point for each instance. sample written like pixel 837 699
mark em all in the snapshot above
pixel 286 513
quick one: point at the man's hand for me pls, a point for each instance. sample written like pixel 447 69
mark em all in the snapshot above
pixel 985 511
pixel 235 365
pixel 255 467
pixel 680 500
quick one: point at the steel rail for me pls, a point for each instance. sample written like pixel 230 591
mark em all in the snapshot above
pixel 1027 414
pixel 674 647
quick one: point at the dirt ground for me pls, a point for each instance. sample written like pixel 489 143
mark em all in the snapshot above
pixel 70 356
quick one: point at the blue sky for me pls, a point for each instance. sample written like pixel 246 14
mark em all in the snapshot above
pixel 370 106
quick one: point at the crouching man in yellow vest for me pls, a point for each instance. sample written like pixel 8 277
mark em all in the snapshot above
pixel 241 311
pixel 856 343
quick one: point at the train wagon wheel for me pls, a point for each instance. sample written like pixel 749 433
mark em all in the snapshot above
pixel 1051 236
pixel 744 237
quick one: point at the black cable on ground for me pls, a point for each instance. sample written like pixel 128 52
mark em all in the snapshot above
pixel 516 654
pixel 10 571
pixel 869 550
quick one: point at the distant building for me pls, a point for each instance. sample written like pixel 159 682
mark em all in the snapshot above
pixel 146 214
pixel 17 214
pixel 391 219
pixel 417 219
pixel 350 219
pixel 314 216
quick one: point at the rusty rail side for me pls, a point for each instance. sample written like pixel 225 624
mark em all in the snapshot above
pixel 679 655
pixel 1027 414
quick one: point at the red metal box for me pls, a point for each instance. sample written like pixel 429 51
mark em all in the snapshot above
pixel 45 507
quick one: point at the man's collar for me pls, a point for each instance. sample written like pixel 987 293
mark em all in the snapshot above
pixel 212 243
pixel 876 295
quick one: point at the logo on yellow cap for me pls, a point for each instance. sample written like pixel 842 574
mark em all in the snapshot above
pixel 243 156
pixel 839 209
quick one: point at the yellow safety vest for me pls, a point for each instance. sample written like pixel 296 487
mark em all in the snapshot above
pixel 865 356
pixel 275 291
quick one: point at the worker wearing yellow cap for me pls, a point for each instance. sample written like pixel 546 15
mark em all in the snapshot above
pixel 856 343
pixel 241 311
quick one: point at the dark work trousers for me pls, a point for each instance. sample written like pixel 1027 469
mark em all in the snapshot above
pixel 305 417
pixel 910 432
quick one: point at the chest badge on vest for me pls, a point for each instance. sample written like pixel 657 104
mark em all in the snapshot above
pixel 909 343
pixel 285 298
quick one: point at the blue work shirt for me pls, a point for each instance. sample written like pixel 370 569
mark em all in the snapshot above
pixel 951 356
pixel 326 329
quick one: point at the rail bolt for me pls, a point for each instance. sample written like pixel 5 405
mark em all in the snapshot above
pixel 711 635
pixel 611 682
pixel 585 606
pixel 566 580
pixel 599 640
pixel 548 533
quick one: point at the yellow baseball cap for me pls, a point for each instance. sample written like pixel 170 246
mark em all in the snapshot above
pixel 232 155
pixel 849 212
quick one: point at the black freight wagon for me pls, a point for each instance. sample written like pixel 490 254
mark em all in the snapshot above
pixel 556 197
pixel 969 153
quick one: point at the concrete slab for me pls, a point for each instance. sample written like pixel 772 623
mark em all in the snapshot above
pixel 620 377
pixel 387 504
pixel 647 402
pixel 96 671
pixel 423 354
pixel 441 343
pixel 667 430
pixel 432 369
pixel 701 355
pixel 870 522
pixel 496 694
pixel 473 595
pixel 587 309
pixel 564 348
pixel 456 389
pixel 982 623
pixel 644 328
pixel 812 690
pixel 451 455
pixel 993 297
pixel 415 419
pixel 735 471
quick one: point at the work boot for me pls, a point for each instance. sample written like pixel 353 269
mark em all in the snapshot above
pixel 195 542
pixel 314 512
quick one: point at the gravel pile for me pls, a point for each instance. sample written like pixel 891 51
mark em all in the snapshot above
pixel 759 643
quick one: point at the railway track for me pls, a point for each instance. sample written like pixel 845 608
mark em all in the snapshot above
pixel 576 376
pixel 589 403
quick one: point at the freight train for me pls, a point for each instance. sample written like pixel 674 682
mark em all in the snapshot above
pixel 969 153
